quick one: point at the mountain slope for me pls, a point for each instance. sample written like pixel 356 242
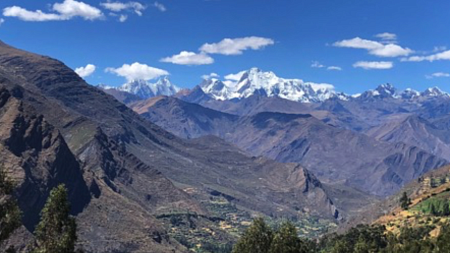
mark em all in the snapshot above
pixel 412 130
pixel 247 106
pixel 332 154
pixel 431 188
pixel 47 86
pixel 36 153
pixel 197 120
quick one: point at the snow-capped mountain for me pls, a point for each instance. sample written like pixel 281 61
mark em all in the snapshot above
pixel 382 91
pixel 144 89
pixel 389 91
pixel 164 87
pixel 140 88
pixel 410 94
pixel 216 88
pixel 256 81
pixel 434 92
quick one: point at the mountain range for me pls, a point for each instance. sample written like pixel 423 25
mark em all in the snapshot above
pixel 257 82
pixel 330 152
pixel 397 132
pixel 143 89
pixel 126 175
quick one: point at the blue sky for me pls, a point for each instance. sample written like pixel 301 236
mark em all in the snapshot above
pixel 293 38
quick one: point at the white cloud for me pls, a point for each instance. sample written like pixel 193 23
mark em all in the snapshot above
pixel 387 37
pixel 374 47
pixel 137 71
pixel 358 43
pixel 26 15
pixel 438 74
pixel 334 68
pixel 391 50
pixel 114 6
pixel 72 8
pixel 235 77
pixel 123 18
pixel 434 57
pixel 321 86
pixel 439 48
pixel 209 76
pixel 64 11
pixel 374 64
pixel 189 58
pixel 236 46
pixel 316 64
pixel 120 6
pixel 85 71
pixel 2 21
pixel 160 6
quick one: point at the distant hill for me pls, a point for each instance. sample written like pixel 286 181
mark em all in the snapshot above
pixel 333 154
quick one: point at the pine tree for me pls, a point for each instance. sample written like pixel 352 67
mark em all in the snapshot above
pixel 443 240
pixel 286 240
pixel 433 210
pixel 361 245
pixel 446 209
pixel 56 231
pixel 405 201
pixel 341 246
pixel 10 214
pixel 256 239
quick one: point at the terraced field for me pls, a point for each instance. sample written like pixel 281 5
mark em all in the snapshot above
pixel 429 208
pixel 217 232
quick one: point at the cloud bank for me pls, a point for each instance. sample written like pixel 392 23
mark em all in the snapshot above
pixel 236 46
pixel 137 71
pixel 374 47
pixel 62 11
pixel 189 58
pixel 374 64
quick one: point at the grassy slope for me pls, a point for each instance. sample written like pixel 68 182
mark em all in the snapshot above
pixel 431 189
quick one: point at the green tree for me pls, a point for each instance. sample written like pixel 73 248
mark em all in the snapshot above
pixel 341 246
pixel 56 231
pixel 256 239
pixel 10 214
pixel 443 240
pixel 404 201
pixel 433 210
pixel 286 240
pixel 446 209
pixel 361 245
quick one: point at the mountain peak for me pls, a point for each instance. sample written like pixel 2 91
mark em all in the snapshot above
pixel 434 92
pixel 409 94
pixel 215 88
pixel 386 90
pixel 145 90
pixel 164 80
pixel 254 70
pixel 258 82
pixel 386 86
